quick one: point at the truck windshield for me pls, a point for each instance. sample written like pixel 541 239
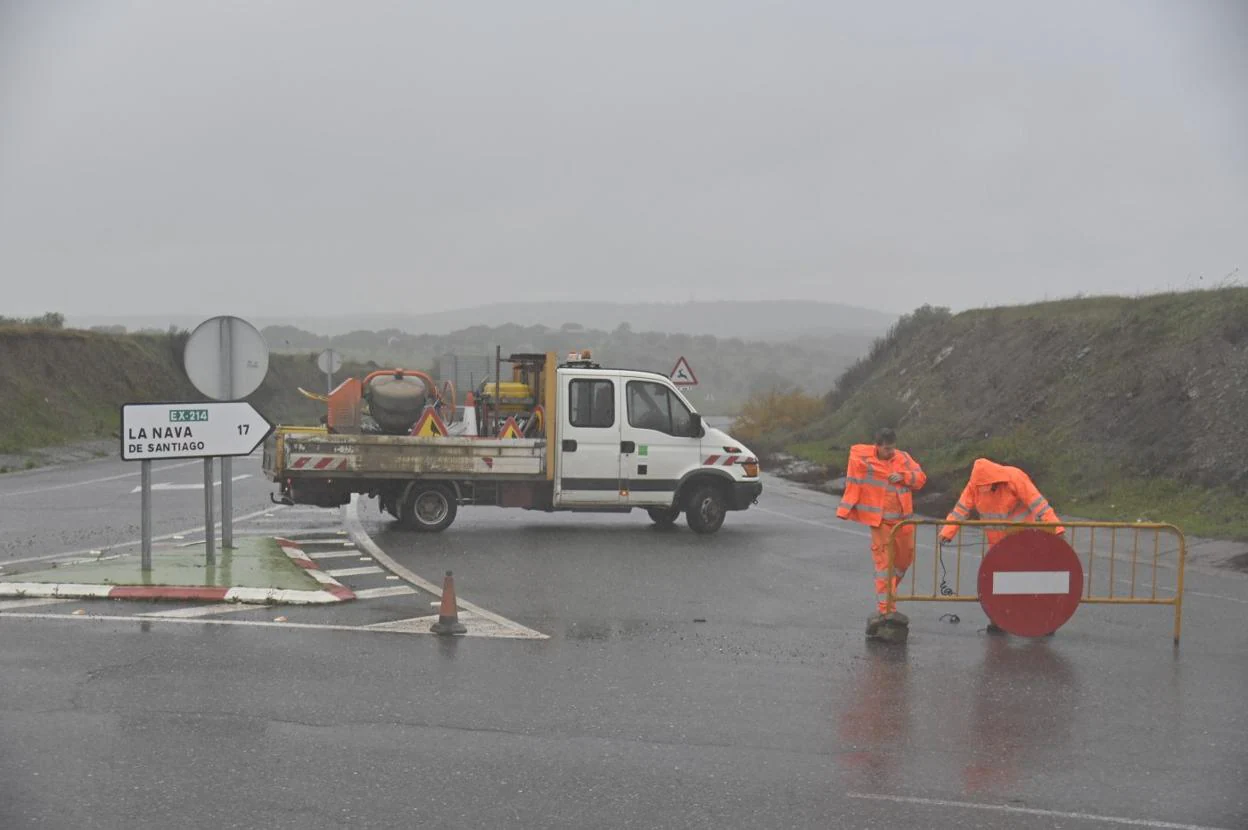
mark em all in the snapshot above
pixel 654 406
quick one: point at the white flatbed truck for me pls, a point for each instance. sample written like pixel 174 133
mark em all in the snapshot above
pixel 619 440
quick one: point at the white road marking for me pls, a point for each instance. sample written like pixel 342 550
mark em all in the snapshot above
pixel 1031 582
pixel 351 519
pixel 843 527
pixel 167 485
pixel 320 540
pixel 360 571
pixel 89 481
pixel 1031 811
pixel 14 604
pixel 136 542
pixel 204 610
pixel 387 591
pixel 477 627
pixel 499 631
pixel 1186 593
pixel 335 555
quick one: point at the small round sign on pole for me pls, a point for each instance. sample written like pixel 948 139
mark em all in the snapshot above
pixel 1030 583
pixel 329 362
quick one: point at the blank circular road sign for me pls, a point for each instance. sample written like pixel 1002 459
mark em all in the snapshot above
pixel 226 358
pixel 329 361
pixel 1030 583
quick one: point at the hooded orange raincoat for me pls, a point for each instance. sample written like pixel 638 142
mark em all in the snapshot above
pixel 999 494
pixel 871 499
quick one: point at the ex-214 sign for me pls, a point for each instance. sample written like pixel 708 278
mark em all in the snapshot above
pixel 155 431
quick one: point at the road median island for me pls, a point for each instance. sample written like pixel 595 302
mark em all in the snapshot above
pixel 258 570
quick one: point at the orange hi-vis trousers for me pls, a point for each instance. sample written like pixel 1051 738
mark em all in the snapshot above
pixel 903 558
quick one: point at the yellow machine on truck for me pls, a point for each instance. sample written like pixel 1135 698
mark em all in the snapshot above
pixel 569 436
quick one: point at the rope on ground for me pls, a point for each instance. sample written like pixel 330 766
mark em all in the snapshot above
pixel 945 590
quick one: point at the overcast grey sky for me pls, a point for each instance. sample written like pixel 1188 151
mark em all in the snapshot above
pixel 323 157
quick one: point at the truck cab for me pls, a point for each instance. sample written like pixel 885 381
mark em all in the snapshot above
pixel 630 439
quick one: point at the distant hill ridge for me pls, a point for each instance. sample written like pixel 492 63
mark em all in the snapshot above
pixel 772 320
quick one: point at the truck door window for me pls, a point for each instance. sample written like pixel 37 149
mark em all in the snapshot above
pixel 592 404
pixel 653 406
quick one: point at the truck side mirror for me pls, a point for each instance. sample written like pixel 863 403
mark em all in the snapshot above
pixel 695 426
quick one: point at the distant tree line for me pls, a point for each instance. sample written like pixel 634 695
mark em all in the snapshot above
pixel 730 370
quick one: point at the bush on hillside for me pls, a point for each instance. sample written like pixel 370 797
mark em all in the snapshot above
pixel 51 320
pixel 775 411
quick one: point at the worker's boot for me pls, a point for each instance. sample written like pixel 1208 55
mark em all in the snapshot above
pixel 873 623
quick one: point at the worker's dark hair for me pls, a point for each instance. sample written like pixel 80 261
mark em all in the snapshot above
pixel 885 436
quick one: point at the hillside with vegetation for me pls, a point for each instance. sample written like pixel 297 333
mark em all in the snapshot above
pixel 63 385
pixel 1119 408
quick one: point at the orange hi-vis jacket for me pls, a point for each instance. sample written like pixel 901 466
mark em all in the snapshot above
pixel 869 497
pixel 999 494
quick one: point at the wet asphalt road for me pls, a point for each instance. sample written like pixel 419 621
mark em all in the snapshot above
pixel 688 682
pixel 93 506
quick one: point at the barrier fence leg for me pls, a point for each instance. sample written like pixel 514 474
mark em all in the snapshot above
pixel 1178 590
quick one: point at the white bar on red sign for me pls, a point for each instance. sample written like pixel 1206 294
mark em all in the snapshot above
pixel 1031 582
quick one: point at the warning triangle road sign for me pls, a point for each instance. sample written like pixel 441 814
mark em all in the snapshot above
pixel 429 425
pixel 510 429
pixel 683 374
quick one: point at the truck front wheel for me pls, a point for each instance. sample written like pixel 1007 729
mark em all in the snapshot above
pixel 705 508
pixel 428 508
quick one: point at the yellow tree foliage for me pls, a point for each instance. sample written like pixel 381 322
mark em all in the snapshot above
pixel 776 411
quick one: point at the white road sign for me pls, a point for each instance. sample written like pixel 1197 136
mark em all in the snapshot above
pixel 155 431
pixel 329 362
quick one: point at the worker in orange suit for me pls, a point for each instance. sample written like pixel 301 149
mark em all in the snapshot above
pixel 998 493
pixel 879 481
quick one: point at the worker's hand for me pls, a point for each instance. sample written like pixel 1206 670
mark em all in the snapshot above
pixel 894 478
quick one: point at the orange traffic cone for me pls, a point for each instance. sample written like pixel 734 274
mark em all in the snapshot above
pixel 448 614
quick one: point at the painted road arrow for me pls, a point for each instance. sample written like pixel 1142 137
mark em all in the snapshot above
pixel 167 485
pixel 156 431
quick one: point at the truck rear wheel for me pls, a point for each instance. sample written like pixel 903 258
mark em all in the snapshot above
pixel 706 508
pixel 428 508
pixel 663 516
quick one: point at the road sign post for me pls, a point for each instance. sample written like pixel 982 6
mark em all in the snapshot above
pixel 1030 583
pixel 227 464
pixel 145 521
pixel 226 358
pixel 209 531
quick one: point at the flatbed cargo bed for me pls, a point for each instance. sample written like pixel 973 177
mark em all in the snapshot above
pixel 294 453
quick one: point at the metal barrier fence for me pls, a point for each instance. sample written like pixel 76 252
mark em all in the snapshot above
pixel 1103 544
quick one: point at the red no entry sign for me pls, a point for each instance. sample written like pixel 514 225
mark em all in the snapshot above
pixel 1030 583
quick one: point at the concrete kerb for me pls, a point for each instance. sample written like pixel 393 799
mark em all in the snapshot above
pixel 331 591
